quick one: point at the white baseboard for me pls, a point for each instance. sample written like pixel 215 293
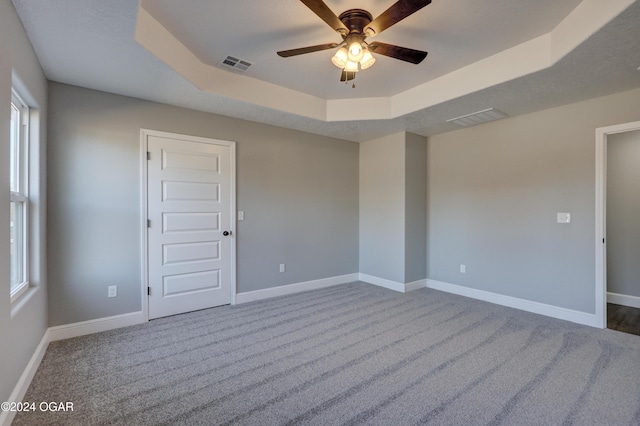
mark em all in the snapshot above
pixel 77 329
pixel 382 282
pixel 522 304
pixel 6 417
pixel 623 299
pixel 416 285
pixel 267 293
pixel 393 285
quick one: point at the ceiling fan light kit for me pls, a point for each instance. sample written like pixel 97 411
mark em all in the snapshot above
pixel 355 51
pixel 367 59
pixel 351 67
pixel 355 58
pixel 354 26
pixel 340 58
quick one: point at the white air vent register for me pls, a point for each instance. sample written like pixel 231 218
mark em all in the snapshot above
pixel 234 64
pixel 479 117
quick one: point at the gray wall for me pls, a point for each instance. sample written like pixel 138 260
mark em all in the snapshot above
pixel 493 194
pixel 415 208
pixel 23 323
pixel 623 213
pixel 299 193
pixel 393 207
pixel 382 207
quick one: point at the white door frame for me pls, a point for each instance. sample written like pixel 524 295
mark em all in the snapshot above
pixel 144 133
pixel 601 215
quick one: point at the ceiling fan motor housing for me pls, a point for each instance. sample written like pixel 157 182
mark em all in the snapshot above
pixel 356 20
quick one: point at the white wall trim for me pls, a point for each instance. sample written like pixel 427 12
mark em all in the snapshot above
pixel 393 285
pixel 624 300
pixel 144 230
pixel 267 293
pixel 514 302
pixel 83 328
pixel 601 215
pixel 416 285
pixel 382 282
pixel 6 417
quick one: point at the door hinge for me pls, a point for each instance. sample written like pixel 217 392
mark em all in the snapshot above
pixel 148 155
pixel 148 223
pixel 148 291
pixel 603 241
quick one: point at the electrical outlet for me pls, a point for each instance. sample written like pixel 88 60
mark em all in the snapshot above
pixel 282 267
pixel 463 269
pixel 564 217
pixel 112 291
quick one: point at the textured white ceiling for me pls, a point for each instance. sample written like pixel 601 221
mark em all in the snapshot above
pixel 454 32
pixel 90 43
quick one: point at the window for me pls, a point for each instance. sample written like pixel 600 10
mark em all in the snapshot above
pixel 19 213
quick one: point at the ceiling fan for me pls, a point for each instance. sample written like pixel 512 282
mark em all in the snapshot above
pixel 354 26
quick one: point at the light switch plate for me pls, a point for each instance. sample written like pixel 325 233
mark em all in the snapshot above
pixel 564 217
pixel 240 215
pixel 112 291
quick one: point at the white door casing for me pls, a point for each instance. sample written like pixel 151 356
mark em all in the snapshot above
pixel 189 202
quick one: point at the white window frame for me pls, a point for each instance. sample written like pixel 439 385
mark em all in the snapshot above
pixel 20 191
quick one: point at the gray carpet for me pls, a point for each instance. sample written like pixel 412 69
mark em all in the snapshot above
pixel 350 354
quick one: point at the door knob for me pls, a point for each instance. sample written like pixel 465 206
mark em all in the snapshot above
pixel 226 233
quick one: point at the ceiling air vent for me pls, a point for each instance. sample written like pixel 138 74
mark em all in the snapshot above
pixel 479 117
pixel 235 64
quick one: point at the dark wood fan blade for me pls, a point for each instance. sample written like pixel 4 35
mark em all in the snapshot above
pixel 322 10
pixel 397 52
pixel 308 49
pixel 347 75
pixel 395 14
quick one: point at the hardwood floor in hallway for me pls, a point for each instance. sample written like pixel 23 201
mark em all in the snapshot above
pixel 623 318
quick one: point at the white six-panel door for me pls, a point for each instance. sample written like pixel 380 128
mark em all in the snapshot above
pixel 190 210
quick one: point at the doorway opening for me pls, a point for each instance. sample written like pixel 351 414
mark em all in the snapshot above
pixel 617 195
